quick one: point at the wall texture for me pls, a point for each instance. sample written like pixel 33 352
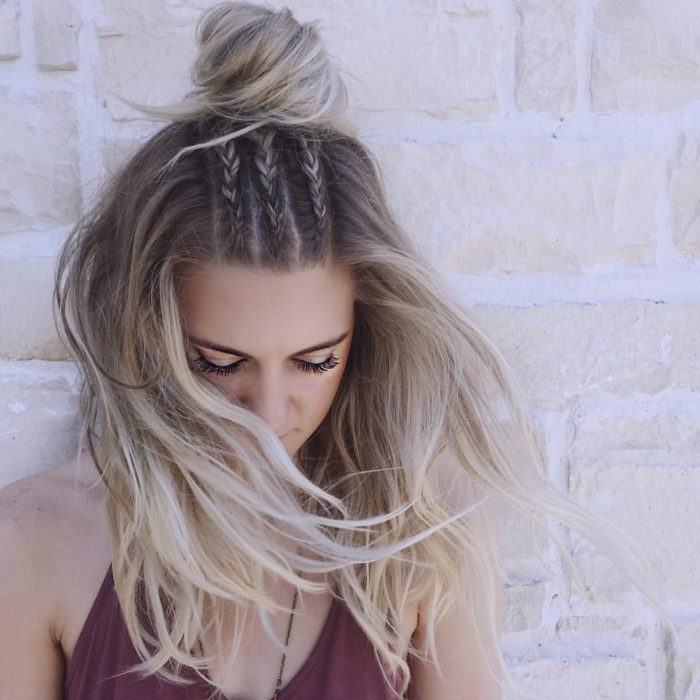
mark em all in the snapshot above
pixel 545 154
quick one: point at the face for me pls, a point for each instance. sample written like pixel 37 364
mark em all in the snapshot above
pixel 277 342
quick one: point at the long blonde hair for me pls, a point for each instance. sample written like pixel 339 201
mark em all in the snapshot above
pixel 257 167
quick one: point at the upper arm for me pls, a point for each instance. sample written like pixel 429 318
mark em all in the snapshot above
pixel 31 659
pixel 467 673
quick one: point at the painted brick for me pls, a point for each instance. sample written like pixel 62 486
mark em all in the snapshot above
pixel 56 28
pixel 115 152
pixel 523 549
pixel 462 7
pixel 146 54
pixel 122 14
pixel 685 195
pixel 39 183
pixel 148 69
pixel 562 351
pixel 38 418
pixel 686 664
pixel 545 56
pixel 522 607
pixel 9 30
pixel 573 638
pixel 648 433
pixel 657 508
pixel 587 628
pixel 638 462
pixel 457 47
pixel 646 55
pixel 146 50
pixel 525 207
pixel 127 16
pixel 26 322
pixel 584 679
pixel 559 352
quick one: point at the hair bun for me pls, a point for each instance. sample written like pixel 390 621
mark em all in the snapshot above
pixel 259 64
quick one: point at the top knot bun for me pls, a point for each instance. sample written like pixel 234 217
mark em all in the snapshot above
pixel 256 64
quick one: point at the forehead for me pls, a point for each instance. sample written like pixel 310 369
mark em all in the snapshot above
pixel 263 311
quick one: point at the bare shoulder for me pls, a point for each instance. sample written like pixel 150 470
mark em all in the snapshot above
pixel 53 527
pixel 43 516
pixel 45 520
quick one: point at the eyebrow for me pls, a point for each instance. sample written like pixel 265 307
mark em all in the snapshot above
pixel 232 351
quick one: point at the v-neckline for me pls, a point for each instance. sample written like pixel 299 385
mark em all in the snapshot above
pixel 106 589
pixel 310 660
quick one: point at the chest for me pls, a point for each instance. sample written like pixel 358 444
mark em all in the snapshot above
pixel 252 671
pixel 328 655
pixel 323 634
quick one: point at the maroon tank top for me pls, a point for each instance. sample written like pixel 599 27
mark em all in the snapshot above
pixel 341 666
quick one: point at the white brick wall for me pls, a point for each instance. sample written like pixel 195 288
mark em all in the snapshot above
pixel 546 156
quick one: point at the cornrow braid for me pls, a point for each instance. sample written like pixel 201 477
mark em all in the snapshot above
pixel 267 162
pixel 230 188
pixel 311 163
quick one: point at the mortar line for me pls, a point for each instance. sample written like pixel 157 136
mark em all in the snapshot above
pixel 90 119
pixel 505 31
pixel 556 427
pixel 583 49
pixel 659 660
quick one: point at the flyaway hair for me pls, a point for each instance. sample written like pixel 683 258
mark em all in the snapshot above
pixel 426 430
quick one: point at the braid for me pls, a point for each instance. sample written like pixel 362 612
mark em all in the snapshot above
pixel 230 189
pixel 266 161
pixel 311 164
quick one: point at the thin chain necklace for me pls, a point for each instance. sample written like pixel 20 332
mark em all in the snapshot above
pixel 278 684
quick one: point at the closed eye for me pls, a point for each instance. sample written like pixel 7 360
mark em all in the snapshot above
pixel 324 366
pixel 204 365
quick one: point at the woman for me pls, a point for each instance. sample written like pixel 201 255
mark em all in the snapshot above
pixel 293 433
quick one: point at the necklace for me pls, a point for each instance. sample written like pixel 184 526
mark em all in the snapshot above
pixel 278 684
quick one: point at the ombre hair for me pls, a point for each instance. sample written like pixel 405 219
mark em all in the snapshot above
pixel 257 167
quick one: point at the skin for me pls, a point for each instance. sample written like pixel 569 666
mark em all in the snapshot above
pixel 270 318
pixel 54 539
pixel 259 323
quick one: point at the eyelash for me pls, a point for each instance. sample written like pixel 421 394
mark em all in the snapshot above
pixel 203 365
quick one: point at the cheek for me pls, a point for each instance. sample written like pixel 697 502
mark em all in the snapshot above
pixel 330 390
pixel 315 394
pixel 319 398
pixel 226 384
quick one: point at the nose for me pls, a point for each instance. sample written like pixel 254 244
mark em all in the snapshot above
pixel 267 397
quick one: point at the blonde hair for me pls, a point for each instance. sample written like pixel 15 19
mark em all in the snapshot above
pixel 257 167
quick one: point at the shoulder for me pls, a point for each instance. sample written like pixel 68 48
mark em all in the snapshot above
pixel 50 523
pixel 40 509
pixel 43 523
pixel 458 635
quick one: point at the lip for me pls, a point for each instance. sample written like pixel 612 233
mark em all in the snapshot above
pixel 284 435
